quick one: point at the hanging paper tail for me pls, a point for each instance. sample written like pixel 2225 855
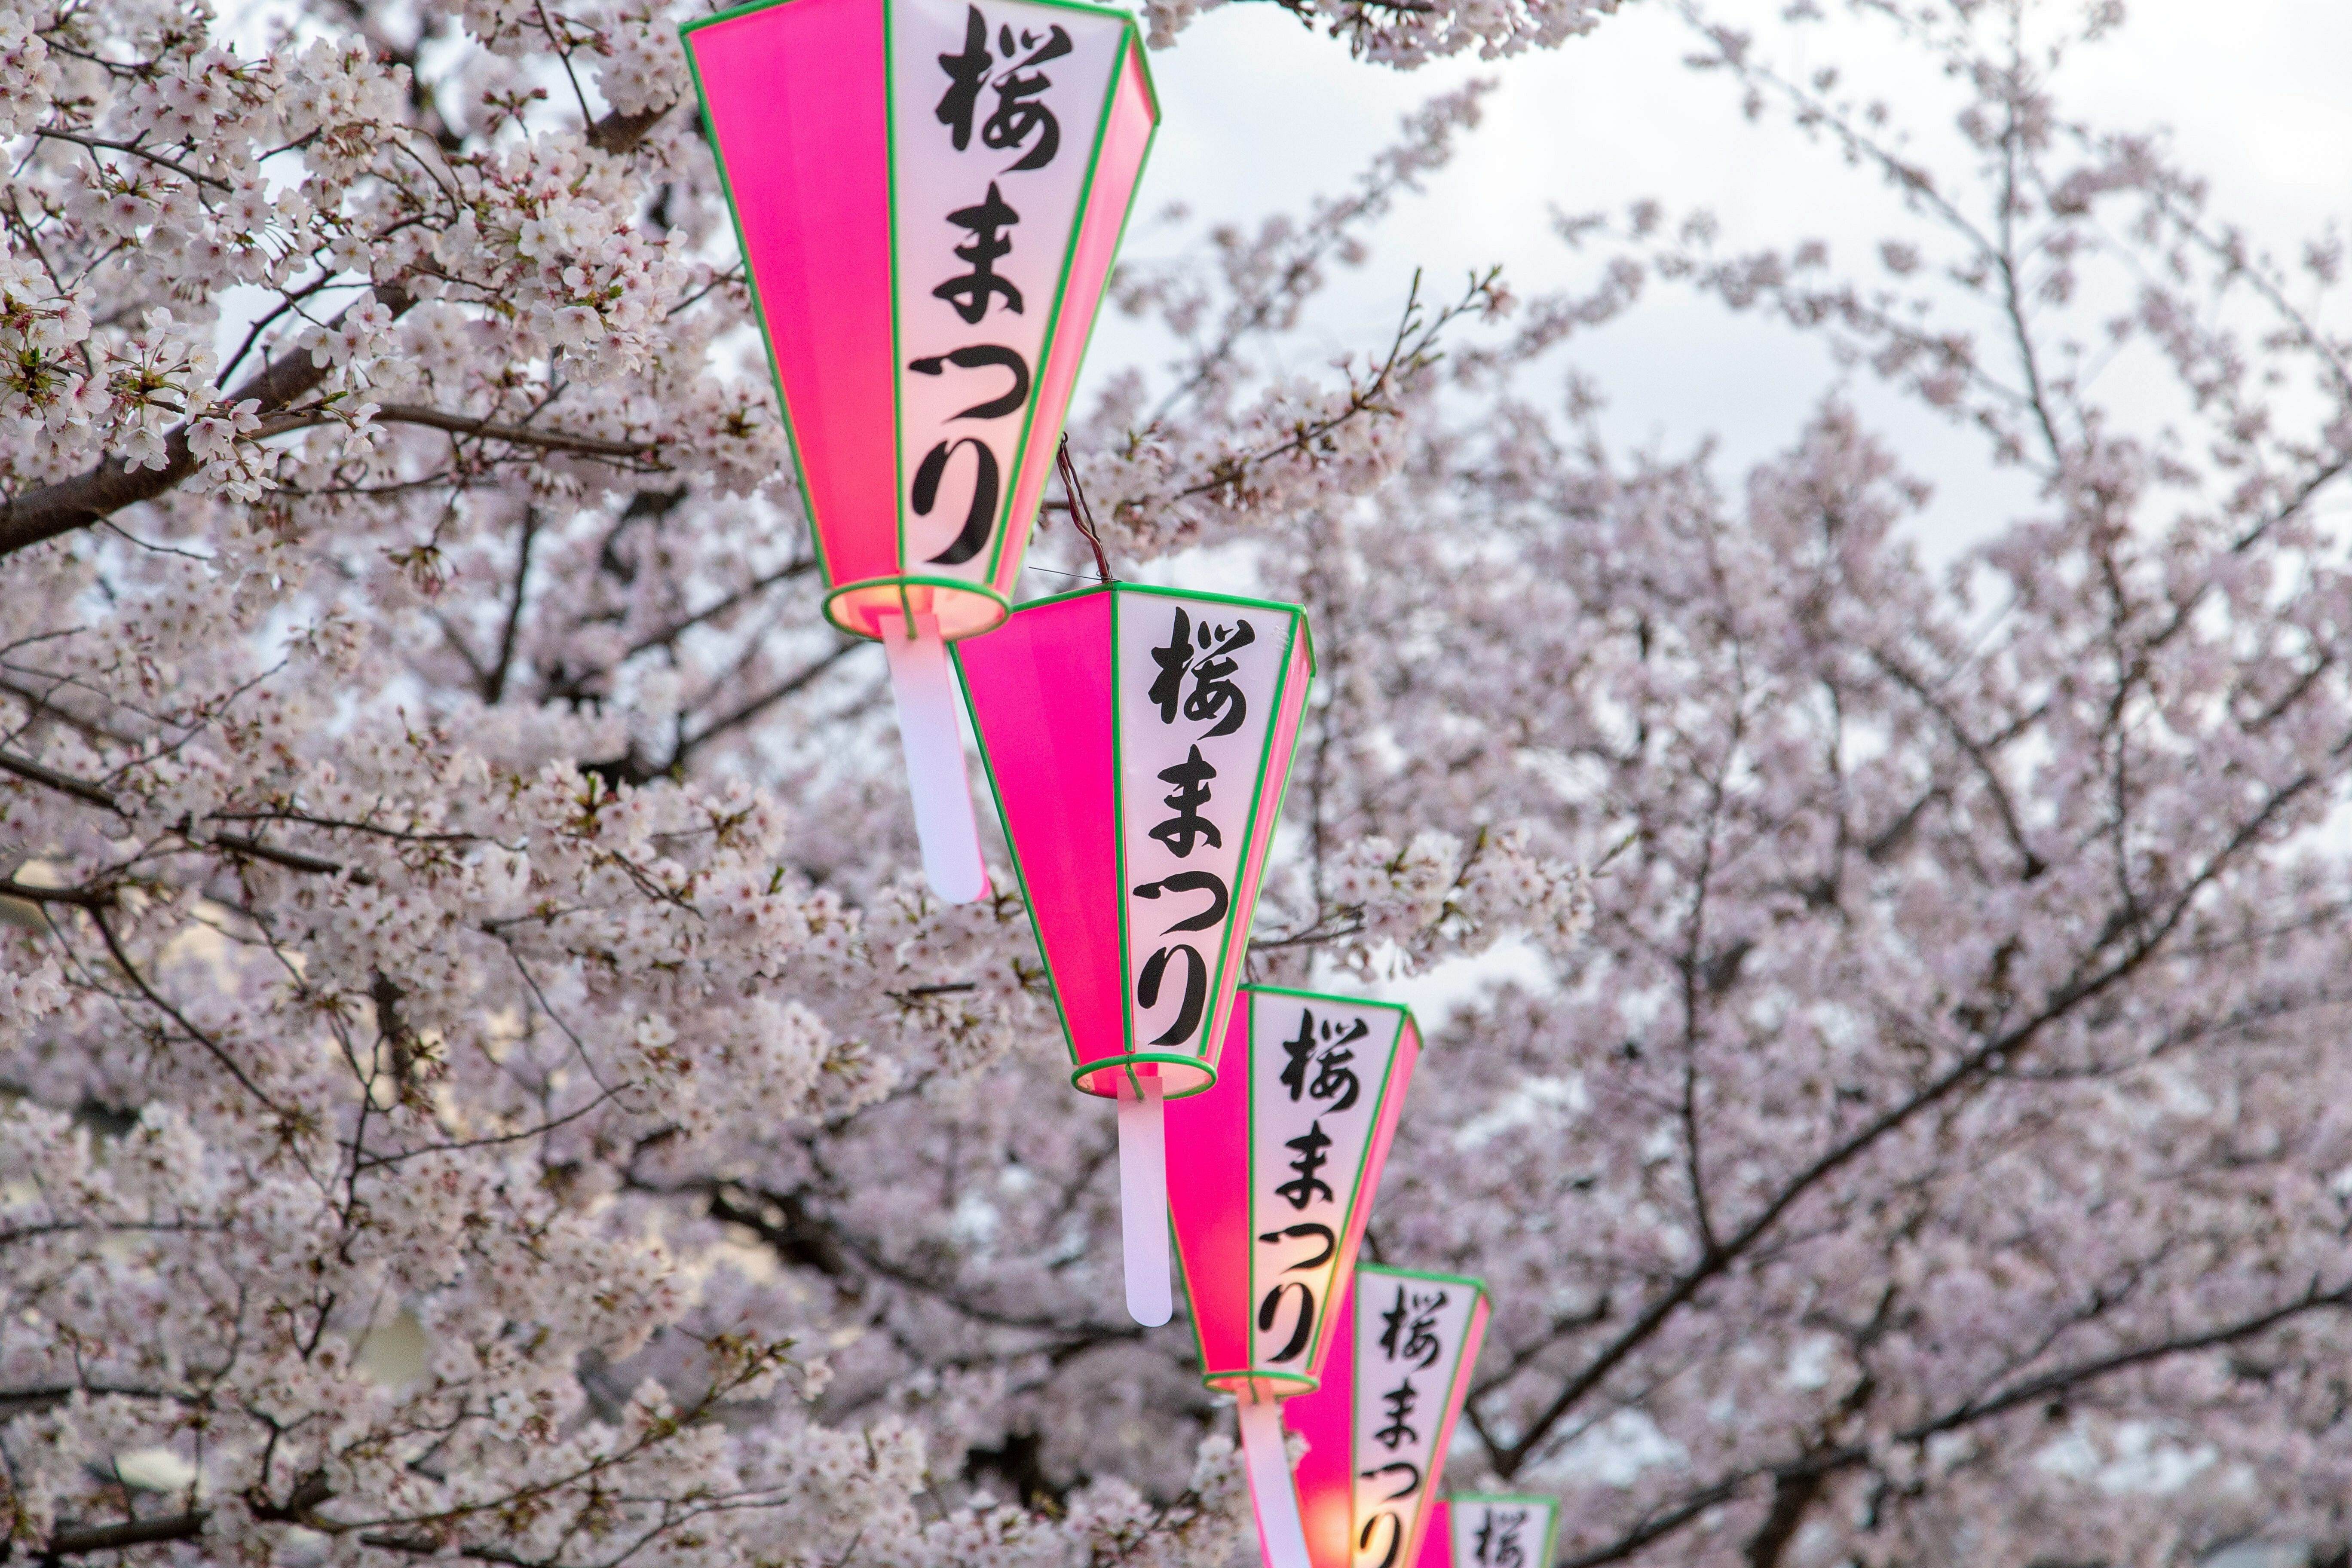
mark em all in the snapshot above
pixel 1279 1530
pixel 933 741
pixel 1143 1199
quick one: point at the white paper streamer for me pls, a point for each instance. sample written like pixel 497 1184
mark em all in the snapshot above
pixel 1279 1529
pixel 931 735
pixel 1143 1200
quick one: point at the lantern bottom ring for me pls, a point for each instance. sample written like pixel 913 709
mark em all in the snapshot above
pixel 1249 1386
pixel 1193 1076
pixel 963 607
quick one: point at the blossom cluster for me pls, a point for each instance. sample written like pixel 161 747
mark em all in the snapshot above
pixel 479 1077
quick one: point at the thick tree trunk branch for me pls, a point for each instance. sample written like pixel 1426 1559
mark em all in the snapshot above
pixel 1793 1495
pixel 80 789
pixel 75 1540
pixel 80 897
pixel 93 498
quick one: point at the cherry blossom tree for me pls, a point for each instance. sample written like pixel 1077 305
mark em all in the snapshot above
pixel 481 1077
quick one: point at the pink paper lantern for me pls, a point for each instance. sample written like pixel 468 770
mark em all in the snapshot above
pixel 1280 1161
pixel 929 195
pixel 1491 1530
pixel 1379 1423
pixel 1139 741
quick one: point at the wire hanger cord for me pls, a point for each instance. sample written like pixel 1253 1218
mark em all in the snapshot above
pixel 1079 514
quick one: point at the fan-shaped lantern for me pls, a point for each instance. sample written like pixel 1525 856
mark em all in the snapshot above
pixel 1378 1426
pixel 1139 740
pixel 1490 1529
pixel 929 195
pixel 1277 1167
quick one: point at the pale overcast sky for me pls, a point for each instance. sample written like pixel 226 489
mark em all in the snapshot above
pixel 1258 115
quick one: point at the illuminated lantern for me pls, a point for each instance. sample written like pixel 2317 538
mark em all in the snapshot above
pixel 1490 1529
pixel 1139 740
pixel 1279 1163
pixel 1378 1426
pixel 929 195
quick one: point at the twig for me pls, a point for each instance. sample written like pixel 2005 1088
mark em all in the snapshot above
pixel 1081 516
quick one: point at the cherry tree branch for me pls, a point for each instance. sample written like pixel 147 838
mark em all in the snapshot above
pixel 1821 1464
pixel 94 496
pixel 1970 1069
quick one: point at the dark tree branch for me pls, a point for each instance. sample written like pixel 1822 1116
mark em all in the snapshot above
pixel 75 1540
pixel 93 498
pixel 82 790
pixel 97 897
pixel 513 435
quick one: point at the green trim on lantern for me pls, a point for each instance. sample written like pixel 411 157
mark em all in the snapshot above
pixel 1305 1384
pixel 1328 996
pixel 1296 618
pixel 733 12
pixel 1475 1285
pixel 902 583
pixel 1379 1106
pixel 1246 1004
pixel 1118 831
pixel 1197 1059
pixel 1061 288
pixel 1141 58
pixel 1159 590
pixel 1257 791
pixel 1459 1375
pixel 1297 612
pixel 898 327
pixel 1461 1368
pixel 1129 1061
pixel 1388 1076
pixel 750 278
pixel 1550 1505
pixel 1175 1244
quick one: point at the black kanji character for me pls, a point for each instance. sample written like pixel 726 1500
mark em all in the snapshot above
pixel 1398 1405
pixel 1300 1233
pixel 1270 1309
pixel 1196 989
pixel 1214 694
pixel 1406 1468
pixel 1208 882
pixel 1333 1077
pixel 1181 831
pixel 970 294
pixel 980 518
pixel 1305 1183
pixel 967 74
pixel 1396 1537
pixel 979 356
pixel 1167 687
pixel 1300 1051
pixel 1412 1330
pixel 1018 114
pixel 1499 1538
